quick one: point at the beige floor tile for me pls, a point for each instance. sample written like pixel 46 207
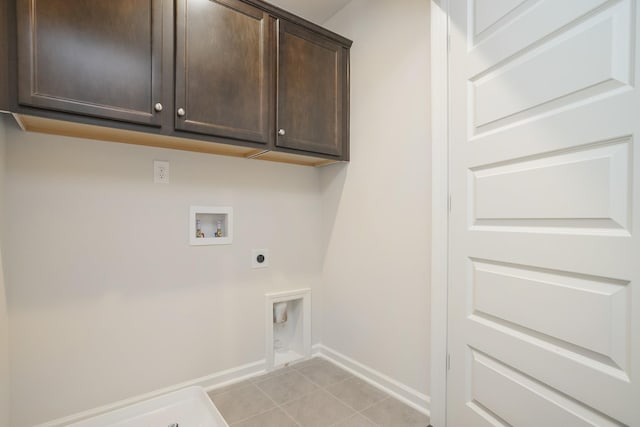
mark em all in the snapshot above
pixel 313 393
pixel 308 362
pixel 274 373
pixel 273 418
pixel 241 403
pixel 356 420
pixel 324 373
pixel 393 413
pixel 286 387
pixel 356 393
pixel 229 387
pixel 318 409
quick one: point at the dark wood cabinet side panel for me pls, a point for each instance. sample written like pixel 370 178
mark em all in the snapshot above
pixel 311 84
pixel 95 58
pixel 346 105
pixel 224 68
pixel 4 56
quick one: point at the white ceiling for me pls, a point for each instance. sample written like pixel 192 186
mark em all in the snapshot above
pixel 317 11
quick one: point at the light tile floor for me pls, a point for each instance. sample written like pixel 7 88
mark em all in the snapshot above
pixel 314 393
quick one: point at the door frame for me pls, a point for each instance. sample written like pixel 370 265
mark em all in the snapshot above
pixel 440 209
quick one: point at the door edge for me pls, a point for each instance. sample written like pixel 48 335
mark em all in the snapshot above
pixel 439 13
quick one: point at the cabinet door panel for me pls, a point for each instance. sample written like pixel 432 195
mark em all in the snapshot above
pixel 311 91
pixel 224 82
pixel 99 58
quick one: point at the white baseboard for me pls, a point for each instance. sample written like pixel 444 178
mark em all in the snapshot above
pixel 209 382
pixel 406 394
pixel 396 389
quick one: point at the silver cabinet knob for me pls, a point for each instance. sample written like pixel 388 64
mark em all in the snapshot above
pixel 158 107
pixel 281 132
pixel 181 112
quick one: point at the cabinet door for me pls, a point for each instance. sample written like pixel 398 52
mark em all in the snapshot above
pixel 99 58
pixel 224 83
pixel 312 73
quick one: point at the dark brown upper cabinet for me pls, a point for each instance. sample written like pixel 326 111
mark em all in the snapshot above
pixel 312 91
pixel 224 69
pixel 96 58
pixel 232 77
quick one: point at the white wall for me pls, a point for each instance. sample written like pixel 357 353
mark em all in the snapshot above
pixel 4 319
pixel 106 298
pixel 376 210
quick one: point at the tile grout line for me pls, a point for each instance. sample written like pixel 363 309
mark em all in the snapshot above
pixel 361 412
pixel 326 389
pixel 349 375
pixel 347 406
pixel 319 388
pixel 357 412
pixel 308 378
pixel 343 419
pixel 375 403
pixel 295 398
pixel 370 420
pixel 348 378
pixel 254 415
pixel 278 406
pixel 384 397
pixel 287 413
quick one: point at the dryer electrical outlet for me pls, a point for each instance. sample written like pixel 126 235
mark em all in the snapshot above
pixel 260 258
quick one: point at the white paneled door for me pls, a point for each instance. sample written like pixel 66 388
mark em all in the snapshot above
pixel 544 271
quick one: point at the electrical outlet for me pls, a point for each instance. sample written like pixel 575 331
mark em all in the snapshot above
pixel 260 258
pixel 160 172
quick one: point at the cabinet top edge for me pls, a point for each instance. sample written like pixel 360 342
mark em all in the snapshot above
pixel 283 14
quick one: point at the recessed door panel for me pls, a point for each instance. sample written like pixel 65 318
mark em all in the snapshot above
pixel 101 59
pixel 588 187
pixel 224 54
pixel 311 91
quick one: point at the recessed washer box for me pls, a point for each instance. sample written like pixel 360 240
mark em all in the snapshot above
pixel 210 225
pixel 288 341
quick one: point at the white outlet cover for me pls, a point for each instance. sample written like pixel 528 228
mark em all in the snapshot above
pixel 160 172
pixel 254 258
